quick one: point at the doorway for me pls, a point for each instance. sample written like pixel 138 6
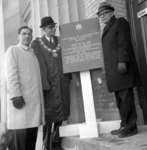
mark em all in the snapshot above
pixel 139 39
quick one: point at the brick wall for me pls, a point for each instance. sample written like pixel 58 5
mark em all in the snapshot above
pixel 120 8
pixel 91 7
pixel 104 101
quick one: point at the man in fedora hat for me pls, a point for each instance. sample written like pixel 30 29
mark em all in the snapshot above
pixel 120 66
pixel 55 83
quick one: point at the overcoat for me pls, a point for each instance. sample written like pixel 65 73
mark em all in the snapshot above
pixel 117 47
pixel 56 85
pixel 23 79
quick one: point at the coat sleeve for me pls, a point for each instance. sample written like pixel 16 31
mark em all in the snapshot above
pixel 124 40
pixel 12 74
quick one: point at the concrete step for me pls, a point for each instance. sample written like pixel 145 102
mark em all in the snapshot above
pixel 108 142
pixel 102 127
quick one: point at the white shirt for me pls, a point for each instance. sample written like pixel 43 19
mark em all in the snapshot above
pixel 26 48
pixel 50 39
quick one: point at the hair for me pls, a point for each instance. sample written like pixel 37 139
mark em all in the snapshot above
pixel 24 27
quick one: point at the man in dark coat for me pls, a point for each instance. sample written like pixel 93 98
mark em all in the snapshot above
pixel 120 66
pixel 56 85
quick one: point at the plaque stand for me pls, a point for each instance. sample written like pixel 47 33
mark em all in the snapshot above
pixel 89 128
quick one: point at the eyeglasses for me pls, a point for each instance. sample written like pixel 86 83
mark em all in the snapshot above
pixel 104 13
pixel 51 26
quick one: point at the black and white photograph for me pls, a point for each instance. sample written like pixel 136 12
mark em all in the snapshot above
pixel 73 74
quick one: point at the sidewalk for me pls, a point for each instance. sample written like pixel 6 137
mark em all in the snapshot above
pixel 108 142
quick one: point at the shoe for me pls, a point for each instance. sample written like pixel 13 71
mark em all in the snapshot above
pixel 116 132
pixel 127 133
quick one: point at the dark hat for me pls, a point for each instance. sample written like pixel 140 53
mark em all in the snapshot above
pixel 47 21
pixel 105 6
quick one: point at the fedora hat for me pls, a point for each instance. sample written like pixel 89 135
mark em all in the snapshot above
pixel 47 21
pixel 105 6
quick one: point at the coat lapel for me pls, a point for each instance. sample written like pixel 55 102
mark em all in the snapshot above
pixel 108 26
pixel 50 45
pixel 46 42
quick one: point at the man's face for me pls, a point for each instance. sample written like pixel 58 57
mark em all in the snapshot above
pixel 25 37
pixel 104 17
pixel 49 30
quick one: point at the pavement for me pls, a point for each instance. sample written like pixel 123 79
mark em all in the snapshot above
pixel 108 142
pixel 104 142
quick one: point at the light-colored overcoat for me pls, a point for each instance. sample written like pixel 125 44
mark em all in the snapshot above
pixel 23 79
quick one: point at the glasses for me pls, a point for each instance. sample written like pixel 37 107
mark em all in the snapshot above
pixel 103 14
pixel 51 26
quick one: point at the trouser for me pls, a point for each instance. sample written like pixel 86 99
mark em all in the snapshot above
pixel 51 135
pixel 126 106
pixel 142 102
pixel 23 139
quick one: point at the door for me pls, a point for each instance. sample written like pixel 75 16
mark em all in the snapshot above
pixel 139 35
pixel 137 14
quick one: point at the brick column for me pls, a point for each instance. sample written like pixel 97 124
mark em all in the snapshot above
pixel 38 10
pixel 2 80
pixel 35 17
pixel 53 11
pixel 63 11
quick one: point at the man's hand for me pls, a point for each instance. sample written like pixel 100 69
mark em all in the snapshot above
pixel 18 102
pixel 122 67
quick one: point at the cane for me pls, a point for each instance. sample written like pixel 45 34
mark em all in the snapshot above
pixel 45 141
pixel 51 136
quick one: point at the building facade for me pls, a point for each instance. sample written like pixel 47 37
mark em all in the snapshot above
pixel 21 12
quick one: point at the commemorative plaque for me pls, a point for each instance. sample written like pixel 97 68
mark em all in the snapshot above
pixel 81 46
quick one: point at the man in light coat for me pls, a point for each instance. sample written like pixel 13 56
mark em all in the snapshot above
pixel 25 111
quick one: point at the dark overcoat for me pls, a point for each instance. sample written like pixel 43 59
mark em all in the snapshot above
pixel 56 85
pixel 117 47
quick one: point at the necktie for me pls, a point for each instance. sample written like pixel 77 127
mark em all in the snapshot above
pixel 51 40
